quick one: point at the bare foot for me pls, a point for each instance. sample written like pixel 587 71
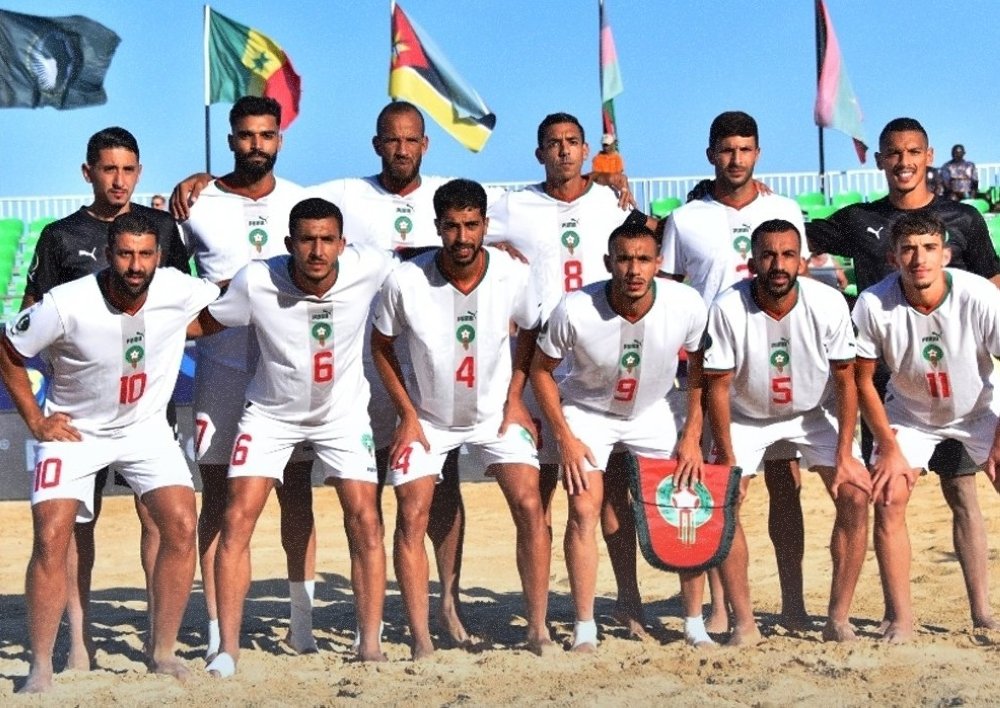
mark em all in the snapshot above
pixel 744 637
pixel 717 622
pixel 171 666
pixel 39 681
pixel 985 623
pixel 301 644
pixel 422 651
pixel 795 621
pixel 451 627
pixel 898 633
pixel 81 658
pixel 542 646
pixel 839 632
pixel 634 621
pixel 371 656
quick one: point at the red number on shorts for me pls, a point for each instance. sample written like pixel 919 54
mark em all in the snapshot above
pixel 939 385
pixel 625 390
pixel 466 372
pixel 47 473
pixel 781 386
pixel 201 425
pixel 538 431
pixel 131 388
pixel 240 449
pixel 323 367
pixel 403 463
pixel 573 272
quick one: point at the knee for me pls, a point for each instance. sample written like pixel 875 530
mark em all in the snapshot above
pixel 363 529
pixel 852 506
pixel 411 521
pixel 178 530
pixel 527 510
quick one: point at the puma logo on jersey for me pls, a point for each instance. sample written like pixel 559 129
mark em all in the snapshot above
pixel 92 253
pixel 876 233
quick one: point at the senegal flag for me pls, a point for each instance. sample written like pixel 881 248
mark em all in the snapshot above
pixel 420 73
pixel 244 62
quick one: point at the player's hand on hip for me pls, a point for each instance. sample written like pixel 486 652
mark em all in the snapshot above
pixel 574 456
pixel 408 433
pixel 851 470
pixel 55 428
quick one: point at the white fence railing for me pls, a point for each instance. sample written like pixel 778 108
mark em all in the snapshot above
pixel 645 189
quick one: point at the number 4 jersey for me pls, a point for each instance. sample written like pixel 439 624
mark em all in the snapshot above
pixel 941 362
pixel 781 368
pixel 111 369
pixel 310 368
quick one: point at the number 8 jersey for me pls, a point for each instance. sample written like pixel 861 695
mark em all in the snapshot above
pixel 941 362
pixel 781 368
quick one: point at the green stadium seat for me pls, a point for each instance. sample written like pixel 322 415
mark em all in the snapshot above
pixel 661 208
pixel 980 205
pixel 995 238
pixel 11 230
pixel 877 194
pixel 819 211
pixel 36 226
pixel 847 198
pixel 993 225
pixel 808 199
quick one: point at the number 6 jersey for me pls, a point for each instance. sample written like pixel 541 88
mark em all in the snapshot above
pixel 941 362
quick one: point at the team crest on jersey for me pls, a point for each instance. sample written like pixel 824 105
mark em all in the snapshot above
pixel 321 332
pixel 257 238
pixel 779 359
pixel 631 357
pixel 741 244
pixel 135 354
pixel 466 334
pixel 368 442
pixel 570 239
pixel 684 509
pixel 22 324
pixel 933 354
pixel 403 226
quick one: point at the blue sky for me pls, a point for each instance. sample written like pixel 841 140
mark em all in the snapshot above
pixel 682 63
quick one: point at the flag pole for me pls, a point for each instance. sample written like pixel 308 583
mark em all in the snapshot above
pixel 819 73
pixel 208 80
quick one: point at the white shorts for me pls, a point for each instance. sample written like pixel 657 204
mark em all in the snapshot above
pixel 219 398
pixel 813 435
pixel 653 433
pixel 917 444
pixel 145 454
pixel 264 445
pixel 514 448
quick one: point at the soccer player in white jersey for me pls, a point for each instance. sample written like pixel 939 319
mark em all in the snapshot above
pixel 115 341
pixel 561 226
pixel 622 337
pixel 707 241
pixel 454 308
pixel 309 310
pixel 779 367
pixel 938 331
pixel 241 217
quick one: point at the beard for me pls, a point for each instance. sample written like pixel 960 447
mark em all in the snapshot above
pixel 119 283
pixel 255 169
pixel 779 291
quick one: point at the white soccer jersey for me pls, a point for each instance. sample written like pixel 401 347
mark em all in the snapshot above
pixel 225 232
pixel 110 369
pixel 458 343
pixel 709 242
pixel 781 368
pixel 310 346
pixel 941 362
pixel 621 368
pixel 564 242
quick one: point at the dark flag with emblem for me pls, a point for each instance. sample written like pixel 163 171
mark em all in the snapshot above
pixel 53 61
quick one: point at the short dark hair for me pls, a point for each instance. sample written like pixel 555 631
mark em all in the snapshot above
pixel 554 119
pixel 632 231
pixel 901 125
pixel 772 226
pixel 131 222
pixel 730 124
pixel 397 108
pixel 254 106
pixel 915 223
pixel 314 208
pixel 108 139
pixel 459 194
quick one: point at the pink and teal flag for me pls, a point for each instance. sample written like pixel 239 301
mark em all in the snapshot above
pixel 836 105
pixel 611 75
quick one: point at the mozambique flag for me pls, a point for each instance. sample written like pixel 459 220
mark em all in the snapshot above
pixel 244 62
pixel 421 74
pixel 53 61
pixel 836 105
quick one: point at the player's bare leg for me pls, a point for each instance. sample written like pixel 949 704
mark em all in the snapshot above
pixel 367 549
pixel 735 578
pixel 46 585
pixel 848 545
pixel 214 490
pixel 892 548
pixel 786 529
pixel 247 496
pixel 718 609
pixel 409 556
pixel 149 546
pixel 80 566
pixel 446 529
pixel 580 547
pixel 298 540
pixel 618 529
pixel 172 509
pixel 520 486
pixel 969 534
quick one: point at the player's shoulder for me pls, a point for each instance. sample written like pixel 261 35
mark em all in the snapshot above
pixel 955 213
pixel 162 220
pixel 883 292
pixel 415 270
pixel 968 282
pixel 68 224
pixel 671 293
pixel 734 298
pixel 503 266
pixel 819 292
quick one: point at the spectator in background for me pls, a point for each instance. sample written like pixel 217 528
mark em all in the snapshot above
pixel 934 181
pixel 609 159
pixel 158 202
pixel 824 268
pixel 958 176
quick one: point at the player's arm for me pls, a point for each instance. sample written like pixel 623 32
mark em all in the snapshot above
pixel 689 458
pixel 717 391
pixel 204 325
pixel 387 365
pixel 186 193
pixel 572 450
pixel 514 410
pixel 891 462
pixel 618 181
pixel 15 377
pixel 848 470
